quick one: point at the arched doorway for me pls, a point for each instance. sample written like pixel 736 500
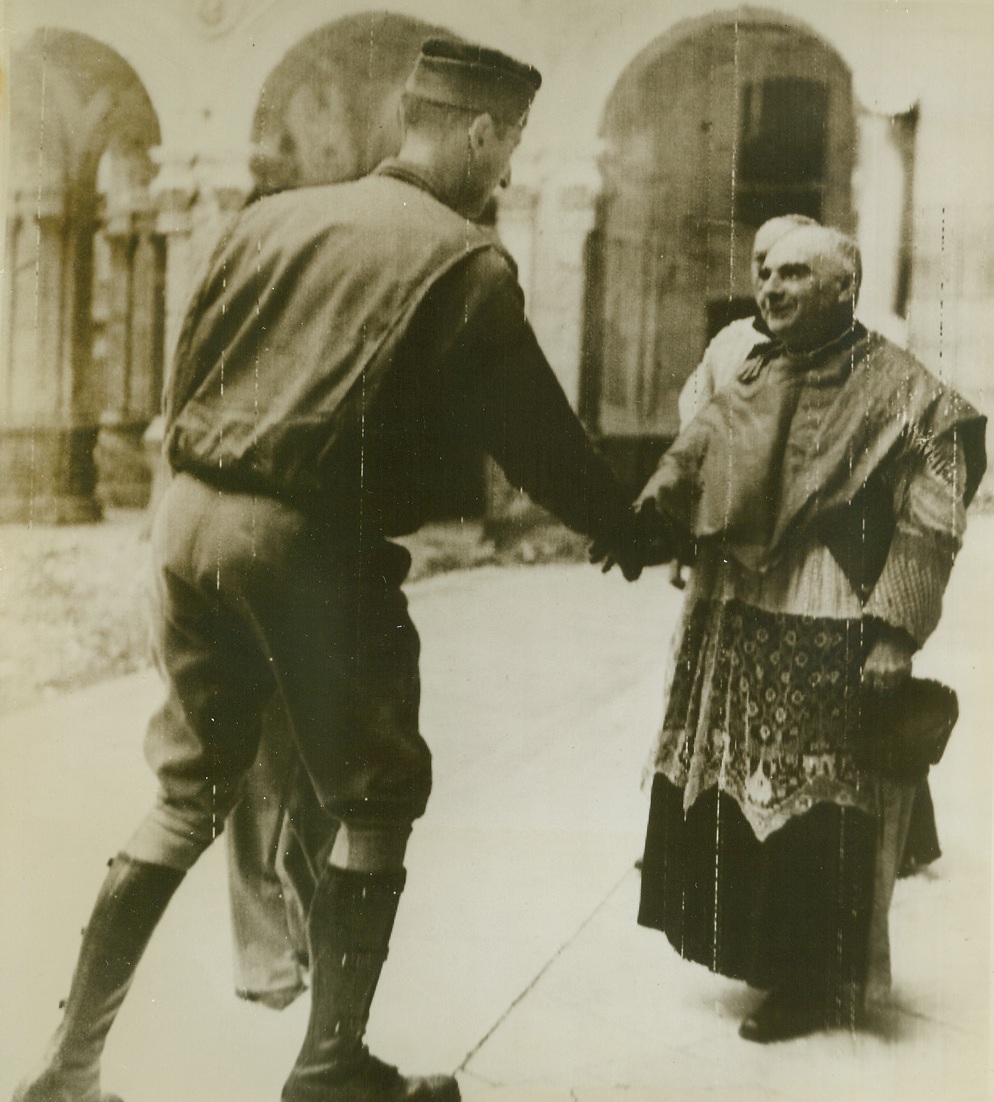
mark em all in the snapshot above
pixel 329 112
pixel 718 126
pixel 83 340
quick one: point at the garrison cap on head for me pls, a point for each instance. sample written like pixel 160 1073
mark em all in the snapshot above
pixel 458 74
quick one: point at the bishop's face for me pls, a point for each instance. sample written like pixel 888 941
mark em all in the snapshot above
pixel 804 290
pixel 768 234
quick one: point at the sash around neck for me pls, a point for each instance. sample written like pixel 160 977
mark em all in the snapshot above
pixel 732 473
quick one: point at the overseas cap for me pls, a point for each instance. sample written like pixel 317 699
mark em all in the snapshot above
pixel 458 74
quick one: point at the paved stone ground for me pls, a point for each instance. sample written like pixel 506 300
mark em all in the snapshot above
pixel 516 958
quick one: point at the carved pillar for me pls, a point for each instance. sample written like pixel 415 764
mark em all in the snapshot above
pixel 32 387
pixel 195 194
pixel 879 193
pixel 173 192
pixel 13 229
pixel 46 443
pixel 516 209
pixel 144 392
pixel 114 297
pixel 225 181
pixel 132 354
pixel 545 228
pixel 566 217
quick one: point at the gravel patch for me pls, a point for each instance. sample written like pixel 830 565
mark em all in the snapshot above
pixel 73 606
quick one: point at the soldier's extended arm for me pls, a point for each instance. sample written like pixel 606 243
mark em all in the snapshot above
pixel 512 404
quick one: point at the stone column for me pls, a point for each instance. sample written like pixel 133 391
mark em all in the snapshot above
pixel 504 506
pixel 516 208
pixel 879 190
pixel 545 225
pixel 172 193
pixel 46 454
pixel 133 354
pixel 147 338
pixel 195 193
pixel 225 181
pixel 567 212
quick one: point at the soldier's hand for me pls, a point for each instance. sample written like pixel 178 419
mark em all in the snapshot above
pixel 626 551
pixel 630 562
pixel 600 555
pixel 888 664
pixel 652 540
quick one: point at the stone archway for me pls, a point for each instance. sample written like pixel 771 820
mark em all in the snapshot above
pixel 84 312
pixel 717 126
pixel 328 111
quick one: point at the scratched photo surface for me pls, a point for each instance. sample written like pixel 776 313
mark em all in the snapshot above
pixel 647 811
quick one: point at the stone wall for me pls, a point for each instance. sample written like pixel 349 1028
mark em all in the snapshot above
pixel 196 73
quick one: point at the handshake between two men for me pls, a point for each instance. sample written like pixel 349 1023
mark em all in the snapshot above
pixel 654 539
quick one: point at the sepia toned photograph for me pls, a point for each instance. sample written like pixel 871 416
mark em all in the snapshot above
pixel 494 500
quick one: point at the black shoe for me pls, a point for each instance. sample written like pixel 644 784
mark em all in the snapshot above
pixel 375 1081
pixel 787 1013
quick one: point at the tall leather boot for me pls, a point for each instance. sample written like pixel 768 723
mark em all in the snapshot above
pixel 129 905
pixel 348 931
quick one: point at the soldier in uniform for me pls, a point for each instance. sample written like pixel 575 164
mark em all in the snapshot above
pixel 345 343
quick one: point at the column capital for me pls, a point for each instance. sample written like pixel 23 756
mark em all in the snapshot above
pixel 573 192
pixel 127 221
pixel 577 185
pixel 225 177
pixel 174 189
pixel 31 205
